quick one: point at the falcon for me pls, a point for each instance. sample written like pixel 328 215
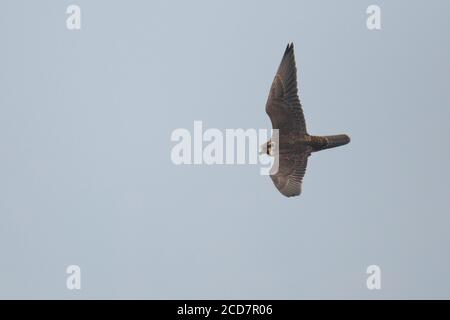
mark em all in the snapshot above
pixel 291 145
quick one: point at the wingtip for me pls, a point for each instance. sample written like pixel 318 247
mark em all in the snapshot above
pixel 289 47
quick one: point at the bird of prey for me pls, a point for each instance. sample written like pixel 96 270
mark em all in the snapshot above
pixel 295 145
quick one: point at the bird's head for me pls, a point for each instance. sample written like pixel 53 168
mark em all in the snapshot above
pixel 267 148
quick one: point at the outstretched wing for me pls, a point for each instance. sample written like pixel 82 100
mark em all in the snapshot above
pixel 290 172
pixel 283 105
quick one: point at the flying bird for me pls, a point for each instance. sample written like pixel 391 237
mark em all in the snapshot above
pixel 291 145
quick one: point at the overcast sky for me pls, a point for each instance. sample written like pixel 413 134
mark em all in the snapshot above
pixel 86 176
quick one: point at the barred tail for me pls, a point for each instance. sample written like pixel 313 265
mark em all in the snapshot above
pixel 336 141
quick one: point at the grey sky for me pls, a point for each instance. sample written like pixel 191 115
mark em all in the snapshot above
pixel 85 170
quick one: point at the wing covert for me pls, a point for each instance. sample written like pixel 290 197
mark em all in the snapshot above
pixel 291 170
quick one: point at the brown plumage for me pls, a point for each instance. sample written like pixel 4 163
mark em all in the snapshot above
pixel 295 145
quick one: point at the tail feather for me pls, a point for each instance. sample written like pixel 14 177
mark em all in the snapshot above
pixel 336 141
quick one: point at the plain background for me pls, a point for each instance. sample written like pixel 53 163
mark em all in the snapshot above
pixel 85 170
